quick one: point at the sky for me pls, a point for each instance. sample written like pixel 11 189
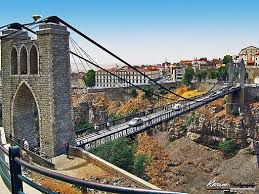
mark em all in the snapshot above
pixel 150 31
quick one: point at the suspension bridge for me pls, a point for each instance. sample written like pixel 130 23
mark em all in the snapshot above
pixel 36 98
pixel 151 120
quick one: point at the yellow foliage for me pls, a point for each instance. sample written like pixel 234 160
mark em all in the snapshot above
pixel 183 91
pixel 113 107
pixel 134 104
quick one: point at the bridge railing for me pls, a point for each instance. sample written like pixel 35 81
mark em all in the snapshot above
pixel 102 126
pixel 4 167
pixel 101 138
pixel 15 180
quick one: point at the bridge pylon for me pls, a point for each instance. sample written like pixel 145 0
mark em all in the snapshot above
pixel 236 100
pixel 36 76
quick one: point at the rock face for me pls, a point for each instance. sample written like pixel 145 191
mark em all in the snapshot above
pixel 186 155
pixel 89 112
pixel 185 166
pixel 208 125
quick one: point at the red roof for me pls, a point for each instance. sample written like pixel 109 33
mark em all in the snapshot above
pixel 250 62
pixel 201 59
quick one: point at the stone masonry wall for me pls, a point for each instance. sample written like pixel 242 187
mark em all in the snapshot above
pixel 50 88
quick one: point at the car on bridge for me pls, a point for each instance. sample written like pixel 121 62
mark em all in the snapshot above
pixel 177 106
pixel 135 122
pixel 200 99
pixel 218 92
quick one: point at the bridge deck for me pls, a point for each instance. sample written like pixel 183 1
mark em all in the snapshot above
pixel 94 139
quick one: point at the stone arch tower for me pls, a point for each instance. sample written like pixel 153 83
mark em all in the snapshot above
pixel 36 94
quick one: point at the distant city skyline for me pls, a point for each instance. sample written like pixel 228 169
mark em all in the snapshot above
pixel 150 31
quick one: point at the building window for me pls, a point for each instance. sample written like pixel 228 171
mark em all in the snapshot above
pixel 33 60
pixel 23 61
pixel 14 61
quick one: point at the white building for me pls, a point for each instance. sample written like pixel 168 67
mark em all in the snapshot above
pixel 176 71
pixel 179 73
pixel 106 80
pixel 249 55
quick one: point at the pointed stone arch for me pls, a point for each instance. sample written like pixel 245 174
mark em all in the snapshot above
pixel 26 116
pixel 23 60
pixel 14 61
pixel 34 60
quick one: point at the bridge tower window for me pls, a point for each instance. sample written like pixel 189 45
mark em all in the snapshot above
pixel 23 61
pixel 14 61
pixel 34 62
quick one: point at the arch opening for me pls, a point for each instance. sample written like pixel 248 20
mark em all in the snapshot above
pixel 14 61
pixel 23 61
pixel 33 60
pixel 26 117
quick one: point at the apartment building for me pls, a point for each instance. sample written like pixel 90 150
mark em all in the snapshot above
pixel 176 72
pixel 106 80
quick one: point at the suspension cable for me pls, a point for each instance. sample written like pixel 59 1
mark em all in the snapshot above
pixel 75 63
pixel 90 58
pixel 112 73
pixel 76 51
pixel 98 66
pixel 220 77
pixel 56 19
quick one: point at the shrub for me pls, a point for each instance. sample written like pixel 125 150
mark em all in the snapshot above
pixel 117 152
pixel 140 163
pixel 227 146
pixel 190 119
pixel 163 91
pixel 120 152
pixel 148 91
pixel 134 92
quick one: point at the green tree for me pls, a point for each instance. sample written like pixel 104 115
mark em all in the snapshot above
pixel 222 72
pixel 204 74
pixel 200 75
pixel 227 59
pixel 89 78
pixel 188 76
pixel 134 92
pixel 212 74
pixel 118 152
pixel 140 163
pixel 163 91
pixel 227 146
pixel 148 91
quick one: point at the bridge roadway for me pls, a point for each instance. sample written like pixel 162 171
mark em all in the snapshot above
pixel 153 119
